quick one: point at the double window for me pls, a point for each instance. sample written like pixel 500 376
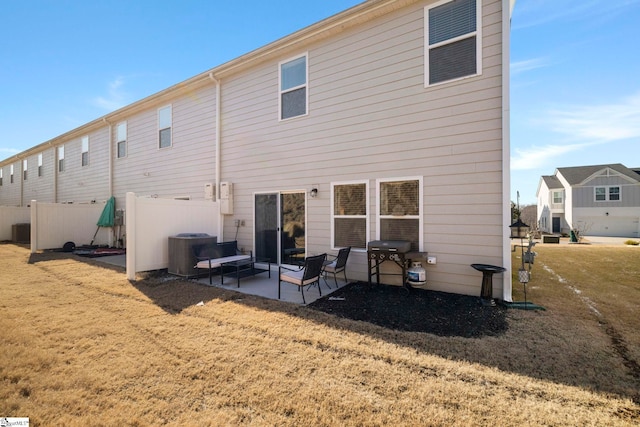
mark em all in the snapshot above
pixel 453 47
pixel 85 151
pixel 121 140
pixel 293 88
pixel 164 127
pixel 350 219
pixel 607 194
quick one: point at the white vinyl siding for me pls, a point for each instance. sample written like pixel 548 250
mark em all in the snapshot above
pixel 349 215
pixel 164 127
pixel 453 40
pixel 294 93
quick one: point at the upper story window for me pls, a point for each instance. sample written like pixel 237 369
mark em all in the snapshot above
pixel 604 194
pixel 453 47
pixel 557 197
pixel 121 140
pixel 1 177
pixel 164 127
pixel 400 210
pixel 24 170
pixel 40 164
pixel 85 151
pixel 11 174
pixel 349 211
pixel 293 88
pixel 61 158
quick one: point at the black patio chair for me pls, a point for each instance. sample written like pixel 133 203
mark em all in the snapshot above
pixel 339 264
pixel 308 276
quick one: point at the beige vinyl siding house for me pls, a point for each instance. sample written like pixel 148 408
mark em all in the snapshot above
pixel 400 128
pixel 180 170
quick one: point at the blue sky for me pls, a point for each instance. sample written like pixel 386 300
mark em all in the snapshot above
pixel 575 84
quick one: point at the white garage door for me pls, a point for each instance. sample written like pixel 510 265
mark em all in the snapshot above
pixel 610 226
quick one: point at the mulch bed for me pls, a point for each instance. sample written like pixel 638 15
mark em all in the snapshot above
pixel 392 307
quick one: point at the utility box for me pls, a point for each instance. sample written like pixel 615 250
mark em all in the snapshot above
pixel 226 198
pixel 21 233
pixel 181 258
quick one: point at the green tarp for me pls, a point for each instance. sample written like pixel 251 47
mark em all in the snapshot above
pixel 108 213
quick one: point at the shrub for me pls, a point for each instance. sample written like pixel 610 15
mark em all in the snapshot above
pixel 632 242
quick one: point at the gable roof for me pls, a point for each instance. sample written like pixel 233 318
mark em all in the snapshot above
pixel 552 182
pixel 578 174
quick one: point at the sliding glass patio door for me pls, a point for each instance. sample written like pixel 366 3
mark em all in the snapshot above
pixel 280 226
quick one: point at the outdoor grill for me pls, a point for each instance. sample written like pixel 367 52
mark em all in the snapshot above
pixel 379 251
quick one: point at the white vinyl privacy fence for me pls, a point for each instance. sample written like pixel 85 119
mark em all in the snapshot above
pixel 151 221
pixel 54 224
pixel 10 215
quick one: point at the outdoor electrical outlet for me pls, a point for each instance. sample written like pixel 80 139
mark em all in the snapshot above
pixel 431 260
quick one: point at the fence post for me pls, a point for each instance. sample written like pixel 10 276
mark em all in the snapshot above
pixel 130 231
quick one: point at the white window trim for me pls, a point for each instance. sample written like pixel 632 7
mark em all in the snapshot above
pixel 366 216
pixel 420 215
pixel 84 148
pixel 607 193
pixel 60 156
pixel 306 84
pixel 427 47
pixel 169 127
pixel 553 197
pixel 126 137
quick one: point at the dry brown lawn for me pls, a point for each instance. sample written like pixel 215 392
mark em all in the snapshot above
pixel 82 346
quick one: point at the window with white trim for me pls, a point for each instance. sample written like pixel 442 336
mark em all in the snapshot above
pixel 121 140
pixel 61 158
pixel 40 164
pixel 557 197
pixel 24 169
pixel 164 127
pixel 349 214
pixel 399 207
pixel 11 174
pixel 293 88
pixel 85 151
pixel 1 177
pixel 607 194
pixel 453 47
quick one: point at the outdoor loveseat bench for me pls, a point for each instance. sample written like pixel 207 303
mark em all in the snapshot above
pixel 218 256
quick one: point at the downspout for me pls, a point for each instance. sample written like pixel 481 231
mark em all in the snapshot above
pixel 55 172
pixel 218 162
pixel 104 119
pixel 110 148
pixel 507 285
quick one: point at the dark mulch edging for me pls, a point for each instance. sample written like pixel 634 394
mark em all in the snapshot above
pixel 438 313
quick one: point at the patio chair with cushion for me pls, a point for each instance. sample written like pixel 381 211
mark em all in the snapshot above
pixel 339 264
pixel 307 276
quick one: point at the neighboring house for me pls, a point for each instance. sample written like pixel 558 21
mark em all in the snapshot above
pixel 394 111
pixel 600 200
